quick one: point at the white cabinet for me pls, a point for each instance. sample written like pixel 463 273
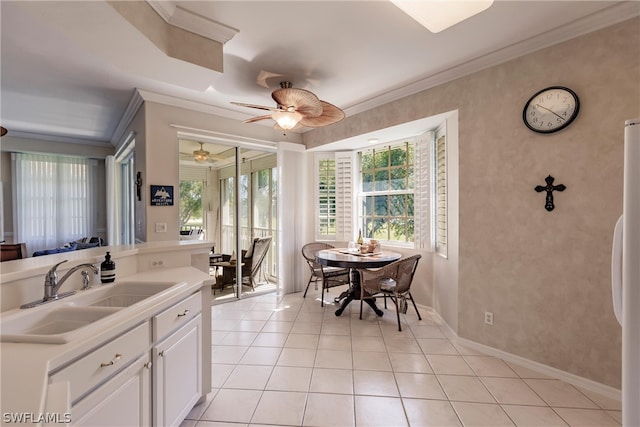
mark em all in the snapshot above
pixel 123 401
pixel 177 376
pixel 151 374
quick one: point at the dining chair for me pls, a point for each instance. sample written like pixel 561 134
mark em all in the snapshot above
pixel 330 276
pixel 9 252
pixel 393 281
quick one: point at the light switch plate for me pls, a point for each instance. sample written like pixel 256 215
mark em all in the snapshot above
pixel 161 227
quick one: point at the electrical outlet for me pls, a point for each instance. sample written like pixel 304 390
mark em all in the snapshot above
pixel 161 227
pixel 488 318
pixel 156 263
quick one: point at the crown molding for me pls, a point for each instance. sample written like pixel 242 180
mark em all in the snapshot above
pixel 176 15
pixel 615 14
pixel 58 138
pixel 190 105
pixel 132 109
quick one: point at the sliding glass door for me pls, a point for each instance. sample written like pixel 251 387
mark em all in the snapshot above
pixel 238 206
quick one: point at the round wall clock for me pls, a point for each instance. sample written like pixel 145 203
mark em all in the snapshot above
pixel 551 109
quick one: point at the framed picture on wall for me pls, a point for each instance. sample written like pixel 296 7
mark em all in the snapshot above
pixel 162 195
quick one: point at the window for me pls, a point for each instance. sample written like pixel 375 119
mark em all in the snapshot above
pixel 400 189
pixel 387 192
pixel 55 198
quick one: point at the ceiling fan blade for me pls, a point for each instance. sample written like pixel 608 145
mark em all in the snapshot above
pixel 260 107
pixel 330 114
pixel 304 102
pixel 257 119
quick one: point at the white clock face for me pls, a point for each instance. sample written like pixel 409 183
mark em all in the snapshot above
pixel 551 109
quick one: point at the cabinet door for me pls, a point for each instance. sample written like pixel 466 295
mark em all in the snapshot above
pixel 177 374
pixel 122 401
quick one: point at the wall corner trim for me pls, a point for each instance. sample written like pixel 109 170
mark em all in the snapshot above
pixel 576 380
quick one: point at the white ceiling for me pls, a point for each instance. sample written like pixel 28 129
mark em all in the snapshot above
pixel 69 69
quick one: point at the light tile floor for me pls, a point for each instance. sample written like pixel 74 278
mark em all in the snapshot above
pixel 294 363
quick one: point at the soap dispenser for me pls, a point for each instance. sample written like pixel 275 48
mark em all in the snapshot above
pixel 107 269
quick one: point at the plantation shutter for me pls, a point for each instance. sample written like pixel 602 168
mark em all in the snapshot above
pixel 422 192
pixel 325 196
pixel 345 170
pixel 441 194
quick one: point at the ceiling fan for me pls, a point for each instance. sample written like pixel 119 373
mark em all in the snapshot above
pixel 201 155
pixel 297 108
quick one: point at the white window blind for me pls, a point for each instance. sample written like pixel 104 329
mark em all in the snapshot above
pixel 422 191
pixel 193 173
pixel 55 199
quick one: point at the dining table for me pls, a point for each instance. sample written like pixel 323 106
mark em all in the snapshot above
pixel 355 261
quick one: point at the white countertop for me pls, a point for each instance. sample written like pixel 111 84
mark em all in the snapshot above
pixel 25 366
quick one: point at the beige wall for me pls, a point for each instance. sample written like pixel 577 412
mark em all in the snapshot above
pixel 544 275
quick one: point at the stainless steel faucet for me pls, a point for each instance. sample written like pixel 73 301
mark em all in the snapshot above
pixel 52 284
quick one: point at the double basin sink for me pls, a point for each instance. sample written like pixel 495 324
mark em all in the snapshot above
pixel 61 321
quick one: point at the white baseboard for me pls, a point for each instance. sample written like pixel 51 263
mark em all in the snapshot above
pixel 585 383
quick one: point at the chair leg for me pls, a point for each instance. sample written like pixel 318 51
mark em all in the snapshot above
pixel 414 305
pixel 308 283
pixel 324 286
pixel 395 301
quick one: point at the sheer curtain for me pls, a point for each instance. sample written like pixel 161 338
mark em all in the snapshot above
pixel 54 199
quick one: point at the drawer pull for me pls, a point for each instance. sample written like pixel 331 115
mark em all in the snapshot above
pixel 184 313
pixel 112 362
pixel 161 354
pixel 148 365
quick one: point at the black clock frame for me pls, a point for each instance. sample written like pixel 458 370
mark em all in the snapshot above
pixel 569 120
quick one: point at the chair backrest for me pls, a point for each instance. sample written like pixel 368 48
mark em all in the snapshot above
pixel 404 270
pixel 257 253
pixel 310 250
pixel 10 252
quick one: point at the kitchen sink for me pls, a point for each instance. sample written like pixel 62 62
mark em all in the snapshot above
pixel 126 293
pixel 59 322
pixel 52 326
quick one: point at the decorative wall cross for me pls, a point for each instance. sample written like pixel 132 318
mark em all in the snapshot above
pixel 549 188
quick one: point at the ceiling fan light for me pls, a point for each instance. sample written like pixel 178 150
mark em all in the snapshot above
pixel 286 119
pixel 438 15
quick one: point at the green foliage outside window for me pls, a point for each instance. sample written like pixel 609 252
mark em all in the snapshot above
pixel 190 201
pixel 387 179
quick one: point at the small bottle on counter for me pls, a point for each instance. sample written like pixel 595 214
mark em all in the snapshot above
pixel 360 239
pixel 107 270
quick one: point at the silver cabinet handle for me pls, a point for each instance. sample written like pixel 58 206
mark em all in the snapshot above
pixel 148 365
pixel 112 362
pixel 184 313
pixel 161 354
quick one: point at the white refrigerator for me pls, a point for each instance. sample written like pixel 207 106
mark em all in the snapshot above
pixel 625 276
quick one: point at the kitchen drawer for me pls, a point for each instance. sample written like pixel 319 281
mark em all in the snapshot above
pixel 176 316
pixel 99 365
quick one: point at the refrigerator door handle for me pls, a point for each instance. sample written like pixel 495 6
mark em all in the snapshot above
pixel 616 270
